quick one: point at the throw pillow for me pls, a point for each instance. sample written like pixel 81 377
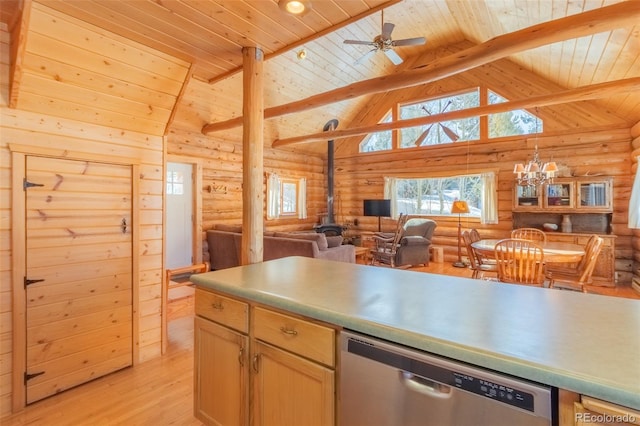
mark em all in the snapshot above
pixel 334 241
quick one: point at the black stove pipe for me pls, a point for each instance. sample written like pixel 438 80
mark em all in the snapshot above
pixel 331 125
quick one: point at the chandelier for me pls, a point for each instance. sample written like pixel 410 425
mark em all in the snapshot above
pixel 535 173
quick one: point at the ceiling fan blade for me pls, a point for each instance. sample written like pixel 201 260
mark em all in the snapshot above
pixel 368 43
pixel 393 56
pixel 387 29
pixel 423 136
pixel 365 56
pixel 409 41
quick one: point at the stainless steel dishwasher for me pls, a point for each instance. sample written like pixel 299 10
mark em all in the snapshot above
pixel 383 384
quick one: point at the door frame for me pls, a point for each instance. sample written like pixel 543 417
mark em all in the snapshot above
pixel 19 154
pixel 196 223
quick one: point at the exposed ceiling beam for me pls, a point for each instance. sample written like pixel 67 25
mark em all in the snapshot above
pixel 594 21
pixel 596 91
pixel 310 38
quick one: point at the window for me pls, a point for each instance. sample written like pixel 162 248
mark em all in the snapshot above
pixel 380 141
pixel 444 131
pixel 517 122
pixel 286 198
pixel 175 183
pixel 435 196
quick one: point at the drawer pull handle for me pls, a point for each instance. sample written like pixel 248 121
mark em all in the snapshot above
pixel 241 356
pixel 217 306
pixel 288 331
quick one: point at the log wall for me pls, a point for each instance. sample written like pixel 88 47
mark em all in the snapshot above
pixel 607 152
pixel 221 157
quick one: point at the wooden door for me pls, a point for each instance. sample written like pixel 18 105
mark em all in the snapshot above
pixel 78 281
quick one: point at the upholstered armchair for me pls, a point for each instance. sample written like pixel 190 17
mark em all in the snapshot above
pixel 415 242
pixel 409 245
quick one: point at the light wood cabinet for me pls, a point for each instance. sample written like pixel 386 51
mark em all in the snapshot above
pixel 221 359
pixel 290 390
pixel 604 273
pixel 566 195
pixel 254 362
pixel 591 411
pixel 220 374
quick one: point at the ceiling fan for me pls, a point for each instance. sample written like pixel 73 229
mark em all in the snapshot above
pixel 384 43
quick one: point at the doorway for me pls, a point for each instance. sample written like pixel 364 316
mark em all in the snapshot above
pixel 183 228
pixel 179 211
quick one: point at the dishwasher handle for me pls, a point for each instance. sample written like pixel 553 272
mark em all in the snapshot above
pixel 424 386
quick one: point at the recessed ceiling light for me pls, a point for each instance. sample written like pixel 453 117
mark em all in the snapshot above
pixel 295 7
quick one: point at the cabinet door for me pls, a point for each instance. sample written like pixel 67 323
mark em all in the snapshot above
pixel 220 374
pixel 289 390
pixel 526 198
pixel 559 196
pixel 594 195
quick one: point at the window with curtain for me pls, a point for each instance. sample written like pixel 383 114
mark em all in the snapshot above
pixel 434 196
pixel 634 201
pixel 286 197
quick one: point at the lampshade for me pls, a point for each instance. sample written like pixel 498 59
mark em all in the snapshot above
pixel 295 7
pixel 460 207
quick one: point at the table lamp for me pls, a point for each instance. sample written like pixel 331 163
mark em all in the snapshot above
pixel 459 207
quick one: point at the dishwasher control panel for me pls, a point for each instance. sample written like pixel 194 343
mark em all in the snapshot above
pixel 500 392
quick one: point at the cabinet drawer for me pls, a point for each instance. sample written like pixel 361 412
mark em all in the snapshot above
pixel 223 310
pixel 302 337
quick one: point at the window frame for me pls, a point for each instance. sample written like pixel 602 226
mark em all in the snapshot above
pixel 483 123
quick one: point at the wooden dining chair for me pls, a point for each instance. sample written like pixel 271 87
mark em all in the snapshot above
pixel 575 278
pixel 478 266
pixel 520 262
pixel 532 234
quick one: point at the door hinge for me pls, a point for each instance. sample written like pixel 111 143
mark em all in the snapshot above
pixel 26 184
pixel 28 376
pixel 28 282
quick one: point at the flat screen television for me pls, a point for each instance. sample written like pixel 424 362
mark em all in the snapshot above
pixel 377 208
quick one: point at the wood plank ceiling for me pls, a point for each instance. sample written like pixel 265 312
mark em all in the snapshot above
pixel 207 36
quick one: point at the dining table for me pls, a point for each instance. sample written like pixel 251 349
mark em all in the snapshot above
pixel 554 252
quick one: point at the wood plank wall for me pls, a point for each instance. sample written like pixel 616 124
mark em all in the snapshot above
pixel 80 140
pixel 607 152
pixel 222 170
pixel 221 157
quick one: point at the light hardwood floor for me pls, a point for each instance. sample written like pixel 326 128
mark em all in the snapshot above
pixel 157 392
pixel 160 392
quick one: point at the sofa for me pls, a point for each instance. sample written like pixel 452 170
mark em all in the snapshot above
pixel 225 247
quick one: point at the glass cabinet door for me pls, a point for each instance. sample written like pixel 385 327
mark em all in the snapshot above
pixel 594 195
pixel 559 195
pixel 527 197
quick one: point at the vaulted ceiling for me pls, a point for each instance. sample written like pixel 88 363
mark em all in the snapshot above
pixel 191 52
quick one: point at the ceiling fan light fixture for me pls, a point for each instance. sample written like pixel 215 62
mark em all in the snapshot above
pixel 295 7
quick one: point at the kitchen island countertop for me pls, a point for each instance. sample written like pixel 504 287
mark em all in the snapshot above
pixel 585 343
